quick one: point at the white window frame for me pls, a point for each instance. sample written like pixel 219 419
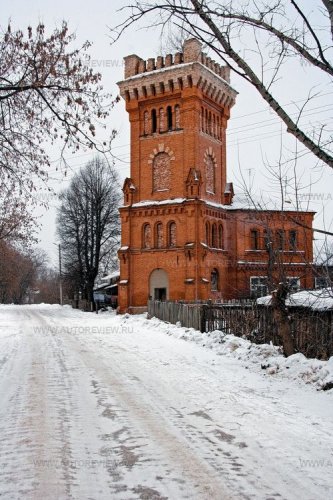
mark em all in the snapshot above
pixel 327 281
pixel 254 288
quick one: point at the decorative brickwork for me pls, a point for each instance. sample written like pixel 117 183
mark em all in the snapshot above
pixel 177 116
pixel 162 120
pixel 210 175
pixel 147 243
pixel 159 235
pixel 210 162
pixel 161 172
pixel 146 123
pixel 172 234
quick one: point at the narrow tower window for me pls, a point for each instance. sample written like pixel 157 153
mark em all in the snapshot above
pixel 208 233
pixel 221 243
pixel 169 117
pixel 153 121
pixel 214 236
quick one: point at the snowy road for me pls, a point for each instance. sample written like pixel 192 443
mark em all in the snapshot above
pixel 106 407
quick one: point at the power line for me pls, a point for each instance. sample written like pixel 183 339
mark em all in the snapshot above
pixel 239 130
pixel 264 123
pixel 282 105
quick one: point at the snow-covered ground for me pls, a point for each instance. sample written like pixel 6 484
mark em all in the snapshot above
pixel 118 407
pixel 257 356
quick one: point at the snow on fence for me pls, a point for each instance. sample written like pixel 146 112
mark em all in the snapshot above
pixel 312 329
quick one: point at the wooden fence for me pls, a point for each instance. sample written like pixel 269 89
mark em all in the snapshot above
pixel 311 329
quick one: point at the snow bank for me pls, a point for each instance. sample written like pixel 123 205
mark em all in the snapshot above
pixel 257 357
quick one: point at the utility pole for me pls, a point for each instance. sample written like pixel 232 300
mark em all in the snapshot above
pixel 60 276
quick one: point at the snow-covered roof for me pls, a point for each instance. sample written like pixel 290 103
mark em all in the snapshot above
pixel 264 262
pixel 243 202
pixel 240 202
pixel 146 203
pixel 115 274
pixel 320 300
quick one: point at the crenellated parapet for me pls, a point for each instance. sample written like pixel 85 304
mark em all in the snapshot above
pixel 175 72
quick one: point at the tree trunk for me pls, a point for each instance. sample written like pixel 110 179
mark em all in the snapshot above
pixel 281 317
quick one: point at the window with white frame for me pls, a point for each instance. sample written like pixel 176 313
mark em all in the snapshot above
pixel 258 286
pixel 322 282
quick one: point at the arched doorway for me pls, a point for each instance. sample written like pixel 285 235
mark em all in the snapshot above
pixel 159 285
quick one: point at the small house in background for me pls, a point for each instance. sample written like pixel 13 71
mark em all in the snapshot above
pixel 106 291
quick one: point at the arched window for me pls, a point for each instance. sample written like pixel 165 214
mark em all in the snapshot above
pixel 153 121
pixel 172 236
pixel 221 242
pixel 210 174
pixel 177 116
pixel 145 123
pixel 161 172
pixel 214 236
pixel 206 121
pixel 218 128
pixel 208 233
pixel 280 238
pixel 254 236
pixel 214 128
pixel 162 120
pixel 267 239
pixel 202 120
pixel 169 117
pixel 159 235
pixel 214 280
pixel 293 239
pixel 146 236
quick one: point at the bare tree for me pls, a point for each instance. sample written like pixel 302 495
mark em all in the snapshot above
pixel 48 93
pixel 47 286
pixel 18 272
pixel 16 222
pixel 88 223
pixel 272 32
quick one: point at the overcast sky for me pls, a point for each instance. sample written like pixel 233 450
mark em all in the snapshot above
pixel 254 134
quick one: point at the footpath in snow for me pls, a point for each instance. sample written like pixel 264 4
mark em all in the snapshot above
pixel 122 407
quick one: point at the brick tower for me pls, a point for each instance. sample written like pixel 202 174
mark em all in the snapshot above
pixel 183 238
pixel 178 108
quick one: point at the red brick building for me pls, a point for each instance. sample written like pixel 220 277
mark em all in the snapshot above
pixel 184 233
